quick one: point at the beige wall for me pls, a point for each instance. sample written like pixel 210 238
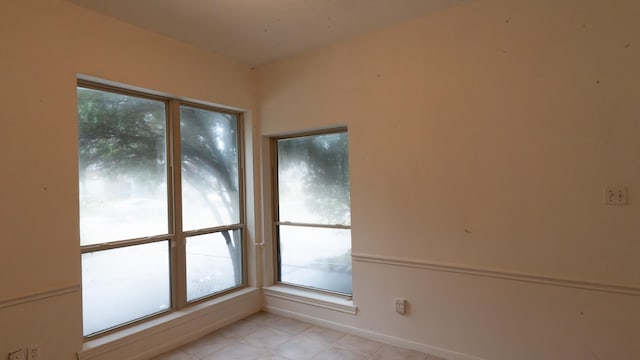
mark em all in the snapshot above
pixel 502 118
pixel 482 136
pixel 43 46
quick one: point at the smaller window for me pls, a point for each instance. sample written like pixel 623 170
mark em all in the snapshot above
pixel 313 217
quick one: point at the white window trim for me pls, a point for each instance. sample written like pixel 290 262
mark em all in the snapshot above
pixel 313 298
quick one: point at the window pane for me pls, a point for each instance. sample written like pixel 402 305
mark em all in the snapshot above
pixel 124 284
pixel 122 166
pixel 214 263
pixel 316 257
pixel 313 179
pixel 210 189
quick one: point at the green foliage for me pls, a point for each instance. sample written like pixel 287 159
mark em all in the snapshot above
pixel 209 148
pixel 118 133
pixel 126 135
pixel 325 159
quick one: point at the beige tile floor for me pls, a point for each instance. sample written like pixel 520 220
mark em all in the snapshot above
pixel 268 336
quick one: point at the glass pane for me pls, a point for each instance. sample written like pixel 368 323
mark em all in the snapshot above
pixel 316 257
pixel 210 195
pixel 313 179
pixel 124 284
pixel 122 166
pixel 214 263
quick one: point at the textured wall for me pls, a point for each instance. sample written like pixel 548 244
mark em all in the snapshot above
pixel 482 137
pixel 45 45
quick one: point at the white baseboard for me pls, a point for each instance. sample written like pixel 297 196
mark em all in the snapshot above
pixel 407 344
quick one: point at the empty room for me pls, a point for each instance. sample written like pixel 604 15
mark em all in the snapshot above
pixel 320 179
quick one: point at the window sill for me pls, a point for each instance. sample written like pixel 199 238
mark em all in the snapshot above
pixel 313 298
pixel 104 344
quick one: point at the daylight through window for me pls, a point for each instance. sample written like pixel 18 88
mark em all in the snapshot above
pixel 161 215
pixel 313 217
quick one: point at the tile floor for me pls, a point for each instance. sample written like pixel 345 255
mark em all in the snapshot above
pixel 268 336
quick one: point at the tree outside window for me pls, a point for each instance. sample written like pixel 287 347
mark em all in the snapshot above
pixel 130 233
pixel 313 220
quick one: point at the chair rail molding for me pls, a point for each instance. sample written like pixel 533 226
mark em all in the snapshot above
pixel 37 296
pixel 498 274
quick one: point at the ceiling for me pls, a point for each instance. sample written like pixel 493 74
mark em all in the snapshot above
pixel 260 31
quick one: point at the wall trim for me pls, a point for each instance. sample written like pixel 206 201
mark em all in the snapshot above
pixel 499 274
pixel 41 295
pixel 372 335
pixel 312 298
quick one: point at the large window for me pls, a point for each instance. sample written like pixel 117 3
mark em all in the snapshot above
pixel 161 215
pixel 313 215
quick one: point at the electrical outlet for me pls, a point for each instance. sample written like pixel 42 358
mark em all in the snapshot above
pixel 17 355
pixel 33 353
pixel 401 306
pixel 616 195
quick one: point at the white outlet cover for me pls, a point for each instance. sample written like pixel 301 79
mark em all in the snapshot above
pixel 33 353
pixel 17 355
pixel 616 195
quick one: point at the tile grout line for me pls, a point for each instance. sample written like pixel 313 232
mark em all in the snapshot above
pixel 242 335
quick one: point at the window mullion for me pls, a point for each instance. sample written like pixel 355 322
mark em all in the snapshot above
pixel 123 243
pixel 213 230
pixel 327 226
pixel 178 265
